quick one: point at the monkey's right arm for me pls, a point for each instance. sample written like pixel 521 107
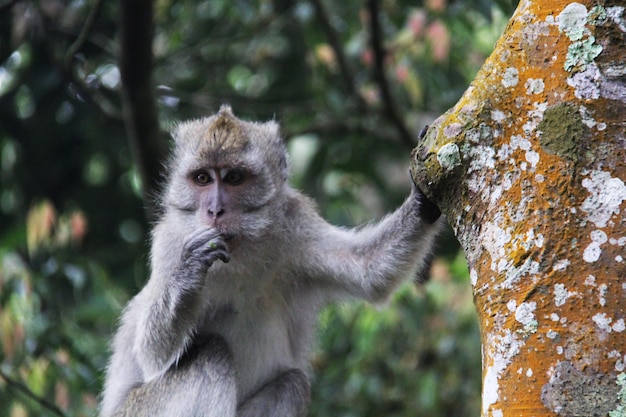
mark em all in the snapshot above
pixel 157 324
pixel 166 310
pixel 372 261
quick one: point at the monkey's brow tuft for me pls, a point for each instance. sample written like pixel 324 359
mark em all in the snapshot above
pixel 224 135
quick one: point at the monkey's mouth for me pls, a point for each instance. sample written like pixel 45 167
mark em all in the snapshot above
pixel 228 236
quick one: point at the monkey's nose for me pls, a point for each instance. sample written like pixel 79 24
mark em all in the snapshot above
pixel 216 212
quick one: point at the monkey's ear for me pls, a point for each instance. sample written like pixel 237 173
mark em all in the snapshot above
pixel 278 148
pixel 175 131
pixel 182 132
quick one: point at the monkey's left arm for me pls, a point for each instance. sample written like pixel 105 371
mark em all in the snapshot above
pixel 371 262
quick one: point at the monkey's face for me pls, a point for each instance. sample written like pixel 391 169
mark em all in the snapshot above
pixel 226 174
pixel 229 198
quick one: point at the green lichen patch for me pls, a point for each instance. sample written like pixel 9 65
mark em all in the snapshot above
pixel 562 131
pixel 620 411
pixel 449 156
pixel 581 53
pixel 597 15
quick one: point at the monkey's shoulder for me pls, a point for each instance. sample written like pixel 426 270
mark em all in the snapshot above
pixel 301 214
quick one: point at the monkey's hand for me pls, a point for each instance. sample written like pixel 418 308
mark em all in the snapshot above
pixel 202 249
pixel 427 210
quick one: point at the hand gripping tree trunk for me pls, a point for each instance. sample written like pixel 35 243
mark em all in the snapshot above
pixel 530 169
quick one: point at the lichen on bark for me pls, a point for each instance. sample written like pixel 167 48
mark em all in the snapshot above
pixel 562 131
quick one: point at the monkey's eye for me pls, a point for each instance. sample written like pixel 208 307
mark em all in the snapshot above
pixel 201 178
pixel 234 177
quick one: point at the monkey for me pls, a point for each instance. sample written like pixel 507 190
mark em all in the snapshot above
pixel 240 264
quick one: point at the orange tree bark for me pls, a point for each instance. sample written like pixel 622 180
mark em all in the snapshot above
pixel 529 168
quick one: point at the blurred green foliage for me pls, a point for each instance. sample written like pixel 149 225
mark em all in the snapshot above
pixel 73 233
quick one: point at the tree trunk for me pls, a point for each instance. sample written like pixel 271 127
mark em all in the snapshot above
pixel 529 168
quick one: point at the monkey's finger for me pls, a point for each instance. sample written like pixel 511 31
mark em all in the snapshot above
pixel 216 249
pixel 224 256
pixel 427 210
pixel 210 257
pixel 199 238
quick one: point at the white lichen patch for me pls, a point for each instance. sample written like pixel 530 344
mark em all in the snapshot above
pixel 495 239
pixel 603 322
pixel 532 158
pixel 534 86
pixel 586 84
pixel 514 274
pixel 525 313
pixel 482 160
pixel 599 236
pixel 519 142
pixel 473 277
pixel 620 242
pixel 572 21
pixel 606 195
pixel 449 156
pixel 602 290
pixel 534 240
pixel 482 157
pixel 561 265
pixel 592 252
pixel 561 294
pixel 588 119
pixel 616 14
pixel 498 116
pixel 501 349
pixel 534 117
pixel 510 77
pixel 511 305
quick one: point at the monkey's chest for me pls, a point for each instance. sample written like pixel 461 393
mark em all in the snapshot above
pixel 261 335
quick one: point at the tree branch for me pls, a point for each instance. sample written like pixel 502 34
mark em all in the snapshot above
pixel 140 113
pixel 18 386
pixel 7 6
pixel 378 50
pixel 335 43
pixel 333 126
pixel 82 36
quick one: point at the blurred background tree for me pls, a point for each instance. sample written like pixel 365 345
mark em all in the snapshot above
pixel 350 82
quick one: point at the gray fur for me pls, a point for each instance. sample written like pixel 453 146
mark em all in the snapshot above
pixel 205 337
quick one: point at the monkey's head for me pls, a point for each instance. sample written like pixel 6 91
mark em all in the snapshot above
pixel 226 173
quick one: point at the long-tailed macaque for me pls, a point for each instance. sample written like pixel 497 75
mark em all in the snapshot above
pixel 240 265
